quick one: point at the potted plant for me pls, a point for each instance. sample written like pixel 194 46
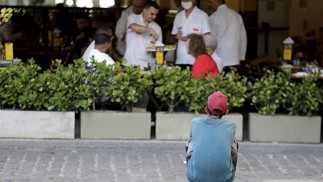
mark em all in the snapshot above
pixel 125 86
pixel 285 107
pixel 175 86
pixel 172 87
pixel 41 104
pixel 232 85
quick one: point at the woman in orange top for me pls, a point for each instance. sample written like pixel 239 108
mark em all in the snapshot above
pixel 204 64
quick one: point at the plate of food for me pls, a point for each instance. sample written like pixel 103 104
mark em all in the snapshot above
pixel 165 47
pixel 300 74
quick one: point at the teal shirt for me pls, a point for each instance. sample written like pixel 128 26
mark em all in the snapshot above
pixel 211 157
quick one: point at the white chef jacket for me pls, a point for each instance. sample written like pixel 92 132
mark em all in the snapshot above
pixel 121 28
pixel 228 28
pixel 136 53
pixel 196 22
pixel 99 57
pixel 218 61
pixel 88 50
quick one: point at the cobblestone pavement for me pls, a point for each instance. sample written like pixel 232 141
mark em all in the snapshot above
pixel 147 161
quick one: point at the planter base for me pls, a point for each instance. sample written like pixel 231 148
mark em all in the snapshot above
pixel 284 128
pixel 115 125
pixel 37 124
pixel 176 126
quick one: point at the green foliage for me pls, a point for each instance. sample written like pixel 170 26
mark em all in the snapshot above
pixel 71 88
pixel 126 85
pixel 305 97
pixel 6 14
pixel 199 91
pixel 231 84
pixel 64 89
pixel 270 92
pixel 234 86
pixel 68 89
pixel 172 86
pixel 279 92
pixel 17 85
pixel 77 86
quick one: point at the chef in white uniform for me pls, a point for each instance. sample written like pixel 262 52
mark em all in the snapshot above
pixel 188 21
pixel 121 26
pixel 228 28
pixel 142 32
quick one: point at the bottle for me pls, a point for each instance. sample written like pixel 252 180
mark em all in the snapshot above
pixel 153 65
pixel 57 38
pixel 8 53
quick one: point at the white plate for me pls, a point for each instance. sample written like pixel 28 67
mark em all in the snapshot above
pixel 300 74
pixel 287 66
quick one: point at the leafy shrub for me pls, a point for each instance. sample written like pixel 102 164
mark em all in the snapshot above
pixel 172 86
pixel 17 86
pixel 270 92
pixel 279 92
pixel 68 89
pixel 25 87
pixel 305 97
pixel 126 85
pixel 234 86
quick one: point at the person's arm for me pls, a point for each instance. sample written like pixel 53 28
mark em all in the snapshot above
pixel 189 149
pixel 142 29
pixel 234 152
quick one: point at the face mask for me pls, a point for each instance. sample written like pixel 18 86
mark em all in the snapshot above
pixel 187 5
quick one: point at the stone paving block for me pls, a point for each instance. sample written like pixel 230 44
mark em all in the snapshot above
pixel 128 161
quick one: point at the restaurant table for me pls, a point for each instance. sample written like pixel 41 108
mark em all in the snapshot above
pixel 299 72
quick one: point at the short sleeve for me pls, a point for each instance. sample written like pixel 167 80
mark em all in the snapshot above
pixel 131 20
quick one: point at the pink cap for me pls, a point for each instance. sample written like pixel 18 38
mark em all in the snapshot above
pixel 219 101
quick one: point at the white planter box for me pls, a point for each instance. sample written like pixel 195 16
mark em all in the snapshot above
pixel 284 128
pixel 37 124
pixel 176 126
pixel 237 118
pixel 115 125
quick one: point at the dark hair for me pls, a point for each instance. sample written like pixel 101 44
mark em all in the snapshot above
pixel 149 4
pixel 196 45
pixel 102 38
pixel 103 28
pixel 215 112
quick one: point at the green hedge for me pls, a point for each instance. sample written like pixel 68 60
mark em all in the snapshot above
pixel 79 85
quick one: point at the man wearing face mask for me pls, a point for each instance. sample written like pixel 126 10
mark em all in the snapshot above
pixel 142 32
pixel 228 28
pixel 121 26
pixel 188 21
